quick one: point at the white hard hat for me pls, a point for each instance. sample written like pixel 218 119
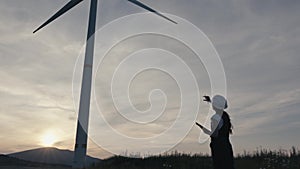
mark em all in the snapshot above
pixel 219 102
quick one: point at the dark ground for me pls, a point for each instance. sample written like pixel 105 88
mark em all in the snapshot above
pixel 7 162
pixel 262 159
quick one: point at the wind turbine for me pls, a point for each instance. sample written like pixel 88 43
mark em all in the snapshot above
pixel 84 105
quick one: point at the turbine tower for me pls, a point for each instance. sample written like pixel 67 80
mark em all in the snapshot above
pixel 84 105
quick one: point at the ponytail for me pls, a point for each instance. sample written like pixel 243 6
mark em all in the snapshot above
pixel 227 117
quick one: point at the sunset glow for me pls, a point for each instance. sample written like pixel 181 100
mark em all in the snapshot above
pixel 48 139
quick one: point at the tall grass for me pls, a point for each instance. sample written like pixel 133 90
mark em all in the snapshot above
pixel 259 159
pixel 269 159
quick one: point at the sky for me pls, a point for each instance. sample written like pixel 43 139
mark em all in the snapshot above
pixel 257 41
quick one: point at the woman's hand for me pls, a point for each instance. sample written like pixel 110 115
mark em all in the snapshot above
pixel 205 130
pixel 206 99
pixel 199 125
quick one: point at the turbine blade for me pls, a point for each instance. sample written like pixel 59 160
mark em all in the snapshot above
pixel 62 11
pixel 150 9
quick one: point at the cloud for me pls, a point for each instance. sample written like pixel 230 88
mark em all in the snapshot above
pixel 257 41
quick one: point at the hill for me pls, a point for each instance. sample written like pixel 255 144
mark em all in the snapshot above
pixel 51 156
pixel 7 162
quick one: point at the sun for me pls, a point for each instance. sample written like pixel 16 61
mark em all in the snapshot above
pixel 48 139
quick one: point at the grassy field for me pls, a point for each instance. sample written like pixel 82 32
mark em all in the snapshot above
pixel 33 167
pixel 262 159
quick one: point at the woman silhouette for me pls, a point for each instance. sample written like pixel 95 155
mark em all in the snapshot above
pixel 221 128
